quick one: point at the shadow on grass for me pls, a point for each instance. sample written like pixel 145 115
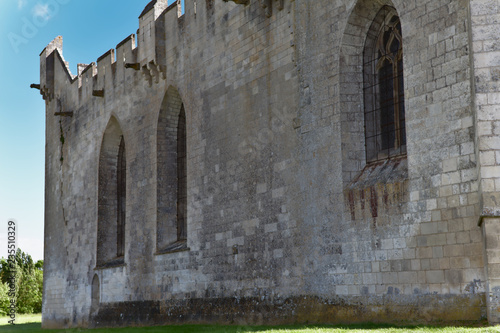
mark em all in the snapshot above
pixel 32 327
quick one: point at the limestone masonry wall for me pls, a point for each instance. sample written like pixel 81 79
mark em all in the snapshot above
pixel 286 220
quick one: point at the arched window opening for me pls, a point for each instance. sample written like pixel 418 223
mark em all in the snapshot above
pixel 111 197
pixel 171 233
pixel 385 134
pixel 95 295
pixel 121 189
pixel 181 176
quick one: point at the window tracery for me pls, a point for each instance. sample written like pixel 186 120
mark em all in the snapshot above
pixel 385 134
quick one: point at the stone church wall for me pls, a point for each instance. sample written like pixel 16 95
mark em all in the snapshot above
pixel 286 220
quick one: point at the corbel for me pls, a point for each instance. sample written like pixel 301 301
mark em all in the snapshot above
pixel 268 6
pixel 98 93
pixel 64 114
pixel 136 66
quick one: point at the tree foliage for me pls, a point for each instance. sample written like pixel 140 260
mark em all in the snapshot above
pixel 28 283
pixel 4 299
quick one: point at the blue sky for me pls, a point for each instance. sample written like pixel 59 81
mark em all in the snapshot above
pixel 89 29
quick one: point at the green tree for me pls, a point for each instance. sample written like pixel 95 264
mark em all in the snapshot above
pixel 29 292
pixel 4 299
pixel 29 283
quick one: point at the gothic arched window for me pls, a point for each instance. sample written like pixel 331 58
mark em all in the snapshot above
pixel 181 176
pixel 95 295
pixel 111 197
pixel 121 188
pixel 171 231
pixel 385 134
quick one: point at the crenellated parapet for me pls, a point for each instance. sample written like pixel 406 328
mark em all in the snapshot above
pixel 98 78
pixel 144 52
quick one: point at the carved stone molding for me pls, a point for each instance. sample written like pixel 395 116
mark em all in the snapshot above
pixel 153 72
pixel 268 6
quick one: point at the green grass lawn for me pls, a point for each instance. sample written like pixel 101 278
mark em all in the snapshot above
pixel 22 319
pixel 31 323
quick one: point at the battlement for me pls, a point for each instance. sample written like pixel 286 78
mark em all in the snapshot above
pixel 91 77
pixel 159 6
pixel 161 27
